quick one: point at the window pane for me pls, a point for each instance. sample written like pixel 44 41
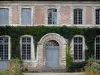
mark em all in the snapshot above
pixel 24 39
pixel 78 48
pixel 4 48
pixel 26 16
pixel 98 40
pixel 28 40
pixel 97 16
pixel 26 48
pixel 52 16
pixel 28 51
pixel 4 16
pixel 98 48
pixel 75 51
pixel 23 51
pixel 77 16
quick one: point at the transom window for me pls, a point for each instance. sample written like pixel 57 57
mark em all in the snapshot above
pixel 26 47
pixel 97 47
pixel 52 16
pixel 78 17
pixel 26 16
pixel 52 43
pixel 78 48
pixel 97 16
pixel 4 48
pixel 4 16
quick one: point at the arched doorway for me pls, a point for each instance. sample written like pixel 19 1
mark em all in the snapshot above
pixel 52 54
pixel 48 44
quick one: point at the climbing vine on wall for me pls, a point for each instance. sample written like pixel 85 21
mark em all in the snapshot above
pixel 39 31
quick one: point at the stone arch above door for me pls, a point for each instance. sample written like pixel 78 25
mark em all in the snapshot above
pixel 41 49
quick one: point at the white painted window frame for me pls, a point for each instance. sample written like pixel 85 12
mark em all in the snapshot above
pixel 46 14
pixel 9 45
pixel 72 49
pixel 32 48
pixel 95 48
pixel 94 22
pixel 9 8
pixel 32 12
pixel 83 15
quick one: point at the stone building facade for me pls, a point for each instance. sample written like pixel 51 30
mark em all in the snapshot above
pixel 49 13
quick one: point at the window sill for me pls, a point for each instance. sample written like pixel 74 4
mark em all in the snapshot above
pixel 60 25
pixel 4 60
pixel 77 61
pixel 29 60
pixel 98 61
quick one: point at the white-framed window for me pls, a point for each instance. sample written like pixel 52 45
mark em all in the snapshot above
pixel 78 48
pixel 97 48
pixel 52 16
pixel 26 46
pixel 97 16
pixel 26 16
pixel 4 16
pixel 78 16
pixel 5 47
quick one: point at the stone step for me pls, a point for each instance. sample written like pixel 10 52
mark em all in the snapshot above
pixel 54 70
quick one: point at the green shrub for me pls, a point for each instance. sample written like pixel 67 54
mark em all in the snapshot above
pixel 69 59
pixel 92 66
pixel 77 66
pixel 4 73
pixel 15 67
pixel 91 60
pixel 70 65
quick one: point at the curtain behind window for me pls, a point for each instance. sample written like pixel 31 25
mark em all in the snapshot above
pixel 4 16
pixel 26 17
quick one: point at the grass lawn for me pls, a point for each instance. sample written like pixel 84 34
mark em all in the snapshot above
pixel 1 73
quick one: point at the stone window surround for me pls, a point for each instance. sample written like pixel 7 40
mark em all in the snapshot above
pixel 52 11
pixel 46 14
pixel 72 52
pixel 32 48
pixel 77 15
pixel 83 15
pixel 9 8
pixel 93 13
pixel 32 14
pixel 9 45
